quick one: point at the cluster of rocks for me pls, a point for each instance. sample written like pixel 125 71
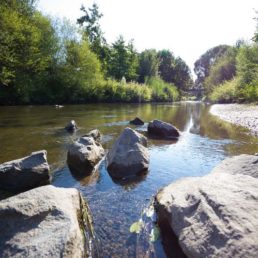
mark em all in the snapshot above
pixel 210 216
pixel 127 157
pixel 214 215
pixel 41 220
pixel 47 221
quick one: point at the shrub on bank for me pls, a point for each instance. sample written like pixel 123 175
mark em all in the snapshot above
pixel 113 91
pixel 162 91
pixel 225 92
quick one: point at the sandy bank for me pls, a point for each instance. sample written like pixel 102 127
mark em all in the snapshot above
pixel 244 115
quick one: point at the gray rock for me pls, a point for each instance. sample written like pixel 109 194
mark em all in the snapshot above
pixel 137 121
pixel 242 164
pixel 84 154
pixel 128 155
pixel 71 126
pixel 162 130
pixel 216 215
pixel 95 134
pixel 45 222
pixel 26 173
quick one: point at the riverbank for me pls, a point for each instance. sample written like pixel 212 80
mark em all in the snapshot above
pixel 243 115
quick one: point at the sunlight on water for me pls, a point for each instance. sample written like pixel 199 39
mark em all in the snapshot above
pixel 116 205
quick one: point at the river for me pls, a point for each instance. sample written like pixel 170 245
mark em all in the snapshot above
pixel 204 142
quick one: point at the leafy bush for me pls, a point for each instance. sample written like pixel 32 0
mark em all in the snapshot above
pixel 162 91
pixel 225 92
pixel 113 91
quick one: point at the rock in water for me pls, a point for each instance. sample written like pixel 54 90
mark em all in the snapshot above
pixel 71 126
pixel 84 154
pixel 216 215
pixel 162 130
pixel 129 155
pixel 26 173
pixel 45 222
pixel 137 121
pixel 95 134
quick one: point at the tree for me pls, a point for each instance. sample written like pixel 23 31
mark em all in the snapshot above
pixel 203 64
pixel 167 65
pixel 183 79
pixel 174 70
pixel 148 65
pixel 27 46
pixel 223 69
pixel 123 60
pixel 90 22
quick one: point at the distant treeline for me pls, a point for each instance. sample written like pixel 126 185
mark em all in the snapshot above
pixel 229 73
pixel 49 61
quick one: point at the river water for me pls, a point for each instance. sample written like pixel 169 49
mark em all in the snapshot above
pixel 204 142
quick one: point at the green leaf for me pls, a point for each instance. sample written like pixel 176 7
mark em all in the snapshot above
pixel 136 227
pixel 154 235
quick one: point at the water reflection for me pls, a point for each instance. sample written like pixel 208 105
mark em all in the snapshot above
pixel 131 182
pixel 204 142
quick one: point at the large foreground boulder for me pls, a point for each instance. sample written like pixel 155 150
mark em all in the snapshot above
pixel 128 155
pixel 84 154
pixel 45 222
pixel 216 215
pixel 162 130
pixel 26 173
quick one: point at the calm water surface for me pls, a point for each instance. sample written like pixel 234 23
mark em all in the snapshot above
pixel 205 141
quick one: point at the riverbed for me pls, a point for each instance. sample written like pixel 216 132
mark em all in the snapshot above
pixel 205 140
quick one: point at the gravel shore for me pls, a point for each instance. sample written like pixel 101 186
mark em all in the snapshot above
pixel 244 115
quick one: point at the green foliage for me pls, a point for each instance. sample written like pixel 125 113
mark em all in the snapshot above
pixel 244 88
pixel 223 69
pixel 27 45
pixel 247 65
pixel 162 91
pixel 93 33
pixel 225 93
pixel 44 61
pixel 203 64
pixel 113 91
pixel 123 61
pixel 136 227
pixel 148 64
pixel 174 70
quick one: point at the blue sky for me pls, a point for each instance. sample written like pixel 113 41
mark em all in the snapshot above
pixel 187 27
